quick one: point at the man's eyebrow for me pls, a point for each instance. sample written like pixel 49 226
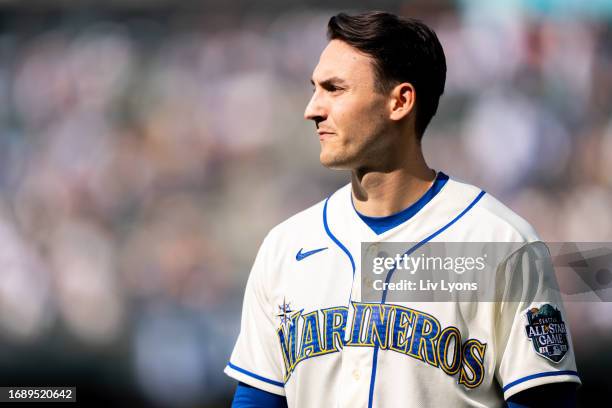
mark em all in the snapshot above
pixel 330 81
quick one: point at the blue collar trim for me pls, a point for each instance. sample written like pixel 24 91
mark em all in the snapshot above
pixel 383 224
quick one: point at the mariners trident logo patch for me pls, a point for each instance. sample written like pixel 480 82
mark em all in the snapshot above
pixel 547 332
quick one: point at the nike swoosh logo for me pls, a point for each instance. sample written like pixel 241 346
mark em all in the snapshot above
pixel 301 255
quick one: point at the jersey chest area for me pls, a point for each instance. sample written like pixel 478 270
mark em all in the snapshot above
pixel 313 277
pixel 321 321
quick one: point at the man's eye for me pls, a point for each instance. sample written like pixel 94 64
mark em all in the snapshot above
pixel 329 88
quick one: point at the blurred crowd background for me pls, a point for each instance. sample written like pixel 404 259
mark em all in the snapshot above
pixel 146 148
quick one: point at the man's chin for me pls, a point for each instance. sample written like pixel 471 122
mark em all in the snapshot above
pixel 334 163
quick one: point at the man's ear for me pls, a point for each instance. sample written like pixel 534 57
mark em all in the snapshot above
pixel 402 100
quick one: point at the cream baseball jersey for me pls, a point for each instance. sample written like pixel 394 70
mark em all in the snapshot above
pixel 306 333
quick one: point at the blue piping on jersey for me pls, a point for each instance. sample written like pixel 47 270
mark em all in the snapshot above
pixel 381 225
pixel 432 236
pixel 384 297
pixel 342 247
pixel 257 377
pixel 531 377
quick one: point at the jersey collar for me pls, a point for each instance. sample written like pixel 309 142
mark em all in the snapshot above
pixel 381 225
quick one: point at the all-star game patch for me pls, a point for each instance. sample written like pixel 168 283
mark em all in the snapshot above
pixel 547 332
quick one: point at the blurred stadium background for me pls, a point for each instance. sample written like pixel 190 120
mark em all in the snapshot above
pixel 146 147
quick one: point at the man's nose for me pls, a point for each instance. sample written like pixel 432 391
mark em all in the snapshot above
pixel 315 109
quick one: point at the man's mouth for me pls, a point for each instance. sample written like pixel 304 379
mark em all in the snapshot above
pixel 324 134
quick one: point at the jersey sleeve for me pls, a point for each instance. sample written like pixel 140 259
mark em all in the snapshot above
pixel 247 396
pixel 532 337
pixel 257 359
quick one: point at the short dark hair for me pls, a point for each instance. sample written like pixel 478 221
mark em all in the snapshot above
pixel 403 50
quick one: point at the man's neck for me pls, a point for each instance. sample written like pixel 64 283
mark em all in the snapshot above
pixel 379 194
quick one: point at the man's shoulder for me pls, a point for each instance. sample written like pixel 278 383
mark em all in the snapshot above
pixel 306 222
pixel 492 215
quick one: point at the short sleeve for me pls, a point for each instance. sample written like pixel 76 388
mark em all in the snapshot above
pixel 256 359
pixel 532 336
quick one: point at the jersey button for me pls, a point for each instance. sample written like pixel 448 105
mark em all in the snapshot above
pixel 372 249
pixel 356 375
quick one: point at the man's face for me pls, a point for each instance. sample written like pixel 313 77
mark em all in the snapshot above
pixel 350 115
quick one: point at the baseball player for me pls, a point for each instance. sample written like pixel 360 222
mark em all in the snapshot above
pixel 307 337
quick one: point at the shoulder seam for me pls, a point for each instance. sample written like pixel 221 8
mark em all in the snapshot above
pixel 508 223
